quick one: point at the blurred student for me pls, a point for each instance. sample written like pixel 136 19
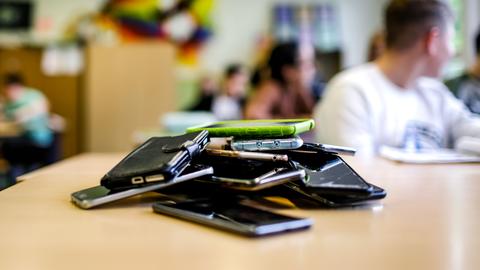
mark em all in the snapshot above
pixel 208 89
pixel 395 101
pixel 229 105
pixel 466 87
pixel 29 109
pixel 287 91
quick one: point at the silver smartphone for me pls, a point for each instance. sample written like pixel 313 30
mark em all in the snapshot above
pixel 231 216
pixel 99 195
pixel 267 144
pixel 327 148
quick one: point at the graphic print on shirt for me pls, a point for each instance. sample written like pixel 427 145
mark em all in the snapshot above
pixel 421 136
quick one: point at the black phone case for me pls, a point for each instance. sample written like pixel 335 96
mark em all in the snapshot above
pixel 158 159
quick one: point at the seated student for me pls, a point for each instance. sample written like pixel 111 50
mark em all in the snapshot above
pixel 230 103
pixel 208 89
pixel 29 109
pixel 395 101
pixel 287 93
pixel 466 87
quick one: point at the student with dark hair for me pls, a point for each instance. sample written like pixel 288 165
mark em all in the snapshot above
pixel 396 100
pixel 466 87
pixel 229 104
pixel 207 90
pixel 28 108
pixel 287 93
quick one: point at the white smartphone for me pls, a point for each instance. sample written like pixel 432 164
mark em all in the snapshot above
pixel 267 144
pixel 99 195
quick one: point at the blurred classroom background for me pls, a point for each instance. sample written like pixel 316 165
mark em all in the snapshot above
pixel 118 71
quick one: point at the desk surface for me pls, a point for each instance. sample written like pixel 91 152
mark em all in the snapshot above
pixel 429 220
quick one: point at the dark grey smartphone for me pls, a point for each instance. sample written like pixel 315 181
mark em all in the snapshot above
pixel 231 216
pixel 99 195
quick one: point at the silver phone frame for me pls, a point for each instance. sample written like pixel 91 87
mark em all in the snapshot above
pixel 90 203
pixel 295 224
pixel 267 144
pixel 269 179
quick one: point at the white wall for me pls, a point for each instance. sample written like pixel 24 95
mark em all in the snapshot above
pixel 239 23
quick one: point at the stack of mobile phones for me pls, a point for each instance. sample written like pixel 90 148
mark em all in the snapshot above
pixel 209 175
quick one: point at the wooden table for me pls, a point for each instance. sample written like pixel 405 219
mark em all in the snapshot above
pixel 429 220
pixel 9 129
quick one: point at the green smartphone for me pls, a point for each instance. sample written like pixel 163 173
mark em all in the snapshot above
pixel 267 128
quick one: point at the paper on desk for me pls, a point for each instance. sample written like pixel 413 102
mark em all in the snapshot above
pixel 424 157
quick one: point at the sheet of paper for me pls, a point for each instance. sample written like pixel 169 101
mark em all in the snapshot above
pixel 430 156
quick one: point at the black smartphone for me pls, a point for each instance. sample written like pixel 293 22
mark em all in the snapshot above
pixel 249 174
pixel 332 173
pixel 157 160
pixel 300 195
pixel 332 178
pixel 232 216
pixel 328 173
pixel 99 195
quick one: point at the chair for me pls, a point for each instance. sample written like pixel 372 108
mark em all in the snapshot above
pixel 36 157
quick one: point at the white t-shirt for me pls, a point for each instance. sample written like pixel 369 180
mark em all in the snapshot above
pixel 226 108
pixel 361 108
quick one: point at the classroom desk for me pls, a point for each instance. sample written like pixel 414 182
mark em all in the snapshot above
pixel 429 220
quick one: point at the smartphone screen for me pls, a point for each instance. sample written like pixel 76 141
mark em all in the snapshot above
pixel 99 195
pixel 232 216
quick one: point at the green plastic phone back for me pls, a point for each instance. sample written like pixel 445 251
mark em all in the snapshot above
pixel 256 128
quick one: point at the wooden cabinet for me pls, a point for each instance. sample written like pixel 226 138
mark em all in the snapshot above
pixel 127 88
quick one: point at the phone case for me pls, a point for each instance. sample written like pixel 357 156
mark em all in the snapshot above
pixel 257 128
pixel 158 159
pixel 266 144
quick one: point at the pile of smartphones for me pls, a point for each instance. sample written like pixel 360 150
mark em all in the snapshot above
pixel 224 175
